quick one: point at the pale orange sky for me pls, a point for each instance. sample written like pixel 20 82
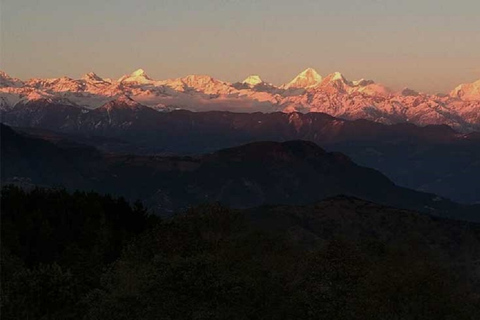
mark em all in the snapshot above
pixel 427 45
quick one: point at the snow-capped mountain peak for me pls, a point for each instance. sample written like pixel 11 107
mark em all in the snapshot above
pixel 139 73
pixel 338 76
pixel 335 77
pixel 139 76
pixel 199 83
pixel 467 91
pixel 306 79
pixel 92 77
pixel 407 92
pixel 252 80
pixel 4 75
pixel 335 82
pixel 362 82
pixel 198 79
pixel 334 94
pixel 7 81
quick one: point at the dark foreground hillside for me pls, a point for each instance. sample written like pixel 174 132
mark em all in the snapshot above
pixel 87 256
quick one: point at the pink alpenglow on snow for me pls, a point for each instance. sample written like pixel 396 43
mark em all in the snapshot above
pixel 333 94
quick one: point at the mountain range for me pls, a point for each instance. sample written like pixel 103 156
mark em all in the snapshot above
pixel 308 92
pixel 434 158
pixel 292 172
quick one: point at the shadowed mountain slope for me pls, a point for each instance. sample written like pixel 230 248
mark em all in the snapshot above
pixel 431 159
pixel 293 172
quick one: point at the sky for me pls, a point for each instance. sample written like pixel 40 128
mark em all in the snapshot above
pixel 427 45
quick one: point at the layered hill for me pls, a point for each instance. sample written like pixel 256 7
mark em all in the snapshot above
pixel 432 158
pixel 308 92
pixel 294 172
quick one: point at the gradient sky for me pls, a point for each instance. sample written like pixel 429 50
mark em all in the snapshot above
pixel 428 45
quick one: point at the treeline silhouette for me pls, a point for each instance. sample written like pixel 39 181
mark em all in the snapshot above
pixel 89 256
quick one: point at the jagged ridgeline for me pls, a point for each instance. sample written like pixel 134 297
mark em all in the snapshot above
pixel 333 94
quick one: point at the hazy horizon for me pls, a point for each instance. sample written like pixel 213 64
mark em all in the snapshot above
pixel 427 45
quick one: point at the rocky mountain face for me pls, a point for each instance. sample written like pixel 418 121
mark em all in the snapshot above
pixel 294 172
pixel 307 92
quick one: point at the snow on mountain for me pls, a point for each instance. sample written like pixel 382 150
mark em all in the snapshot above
pixel 308 92
pixel 138 77
pixel 374 89
pixel 9 98
pixel 252 80
pixel 57 84
pixel 467 91
pixel 409 92
pixel 369 87
pixel 93 78
pixel 334 82
pixel 122 102
pixel 337 96
pixel 306 79
pixel 7 81
pixel 202 84
pixel 4 103
pixel 362 83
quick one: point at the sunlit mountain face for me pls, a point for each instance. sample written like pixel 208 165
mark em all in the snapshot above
pixel 333 94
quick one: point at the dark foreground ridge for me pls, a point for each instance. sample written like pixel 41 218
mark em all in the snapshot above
pixel 88 256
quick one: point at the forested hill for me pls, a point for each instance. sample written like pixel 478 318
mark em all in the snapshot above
pixel 88 256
